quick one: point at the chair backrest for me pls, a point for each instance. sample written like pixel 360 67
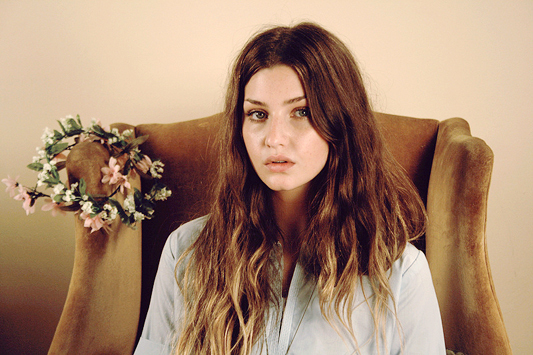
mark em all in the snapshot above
pixel 189 155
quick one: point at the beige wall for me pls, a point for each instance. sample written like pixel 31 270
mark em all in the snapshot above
pixel 161 61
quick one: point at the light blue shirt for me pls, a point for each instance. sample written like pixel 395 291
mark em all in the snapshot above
pixel 301 328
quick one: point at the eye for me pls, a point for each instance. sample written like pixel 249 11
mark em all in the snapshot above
pixel 302 112
pixel 256 115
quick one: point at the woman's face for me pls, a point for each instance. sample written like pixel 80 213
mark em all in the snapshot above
pixel 285 150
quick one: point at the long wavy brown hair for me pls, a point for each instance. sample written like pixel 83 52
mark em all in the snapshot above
pixel 362 207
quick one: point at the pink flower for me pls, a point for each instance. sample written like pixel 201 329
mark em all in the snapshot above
pixel 124 184
pixel 113 176
pixel 28 203
pixel 144 164
pixel 53 207
pixel 112 172
pixel 11 185
pixel 96 222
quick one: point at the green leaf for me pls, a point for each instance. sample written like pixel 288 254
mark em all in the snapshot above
pixel 136 142
pixel 74 132
pixel 82 186
pixel 62 127
pixel 97 129
pixel 52 182
pixel 101 133
pixel 138 197
pixel 56 148
pixel 36 166
pixel 57 135
pixel 73 124
pixel 55 173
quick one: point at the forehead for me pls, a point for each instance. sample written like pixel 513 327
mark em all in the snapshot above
pixel 280 81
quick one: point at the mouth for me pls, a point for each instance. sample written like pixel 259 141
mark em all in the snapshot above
pixel 278 164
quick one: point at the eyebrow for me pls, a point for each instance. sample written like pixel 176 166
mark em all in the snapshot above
pixel 287 102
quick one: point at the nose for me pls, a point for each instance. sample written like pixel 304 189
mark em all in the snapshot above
pixel 277 131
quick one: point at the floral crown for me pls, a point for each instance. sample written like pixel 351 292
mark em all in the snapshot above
pixel 97 211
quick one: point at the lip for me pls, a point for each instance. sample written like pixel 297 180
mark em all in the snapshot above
pixel 278 163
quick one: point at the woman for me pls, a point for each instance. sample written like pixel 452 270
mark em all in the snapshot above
pixel 306 249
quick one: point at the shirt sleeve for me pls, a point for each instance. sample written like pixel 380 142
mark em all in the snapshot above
pixel 148 347
pixel 163 312
pixel 159 323
pixel 419 317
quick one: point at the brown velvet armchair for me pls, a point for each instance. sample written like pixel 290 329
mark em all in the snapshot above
pixel 450 168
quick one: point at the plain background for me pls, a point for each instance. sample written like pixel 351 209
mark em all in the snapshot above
pixel 164 61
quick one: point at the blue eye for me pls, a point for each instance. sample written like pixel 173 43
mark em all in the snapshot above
pixel 257 115
pixel 302 112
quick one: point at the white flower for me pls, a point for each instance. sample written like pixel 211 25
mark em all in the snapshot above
pixel 138 216
pixel 163 194
pixel 103 215
pixel 156 169
pixel 42 176
pixel 68 196
pixel 87 207
pixel 41 153
pixel 47 136
pixel 47 167
pixel 129 204
pixel 59 188
pixel 112 211
pixel 126 134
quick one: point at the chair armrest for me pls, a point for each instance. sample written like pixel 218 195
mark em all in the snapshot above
pixel 456 242
pixel 101 311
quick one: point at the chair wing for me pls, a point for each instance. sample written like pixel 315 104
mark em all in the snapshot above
pixel 456 245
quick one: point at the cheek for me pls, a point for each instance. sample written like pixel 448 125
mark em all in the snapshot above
pixel 249 143
pixel 322 153
pixel 318 151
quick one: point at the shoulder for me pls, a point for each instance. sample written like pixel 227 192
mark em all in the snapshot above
pixel 411 262
pixel 165 302
pixel 411 281
pixel 411 274
pixel 416 304
pixel 183 237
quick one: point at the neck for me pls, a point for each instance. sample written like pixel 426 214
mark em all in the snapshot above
pixel 290 209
